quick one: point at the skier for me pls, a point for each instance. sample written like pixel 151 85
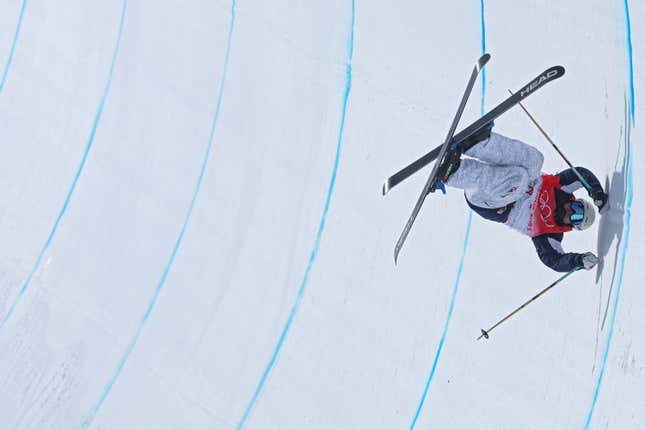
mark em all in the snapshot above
pixel 503 182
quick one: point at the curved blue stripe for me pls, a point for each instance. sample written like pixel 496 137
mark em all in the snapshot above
pixel 445 327
pixel 463 254
pixel 628 216
pixel 13 46
pixel 153 300
pixel 321 227
pixel 79 170
pixel 483 36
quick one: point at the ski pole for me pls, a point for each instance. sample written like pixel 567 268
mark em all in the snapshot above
pixel 585 183
pixel 485 333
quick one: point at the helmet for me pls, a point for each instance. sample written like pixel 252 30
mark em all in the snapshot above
pixel 583 214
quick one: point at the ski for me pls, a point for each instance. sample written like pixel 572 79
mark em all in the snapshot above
pixel 442 151
pixel 544 78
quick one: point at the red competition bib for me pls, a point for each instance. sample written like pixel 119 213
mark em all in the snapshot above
pixel 543 211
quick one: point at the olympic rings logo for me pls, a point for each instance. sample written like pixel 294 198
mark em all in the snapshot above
pixel 545 209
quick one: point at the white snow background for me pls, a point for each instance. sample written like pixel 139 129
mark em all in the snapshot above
pixel 192 231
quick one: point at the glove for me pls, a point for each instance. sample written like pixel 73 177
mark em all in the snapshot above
pixel 599 199
pixel 589 261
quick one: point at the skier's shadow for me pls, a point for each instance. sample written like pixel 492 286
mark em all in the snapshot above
pixel 612 221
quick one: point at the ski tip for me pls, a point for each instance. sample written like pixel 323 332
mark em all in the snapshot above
pixel 559 71
pixel 482 61
pixel 386 187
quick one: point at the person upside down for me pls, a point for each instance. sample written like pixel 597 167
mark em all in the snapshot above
pixel 504 182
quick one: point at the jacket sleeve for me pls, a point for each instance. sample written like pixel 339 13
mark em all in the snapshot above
pixel 549 249
pixel 570 181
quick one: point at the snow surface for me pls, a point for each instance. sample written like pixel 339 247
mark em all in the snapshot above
pixel 193 233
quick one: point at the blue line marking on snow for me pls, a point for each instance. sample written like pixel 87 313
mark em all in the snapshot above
pixel 627 229
pixel 463 254
pixel 13 46
pixel 314 251
pixel 628 216
pixel 79 170
pixel 445 327
pixel 153 300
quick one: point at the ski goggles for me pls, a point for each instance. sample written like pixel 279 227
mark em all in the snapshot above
pixel 578 212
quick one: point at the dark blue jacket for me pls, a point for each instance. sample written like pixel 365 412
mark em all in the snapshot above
pixel 549 246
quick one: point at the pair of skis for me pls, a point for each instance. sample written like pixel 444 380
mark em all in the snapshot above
pixel 440 152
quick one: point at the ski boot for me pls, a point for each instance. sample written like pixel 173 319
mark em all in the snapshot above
pixel 448 166
pixel 479 136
